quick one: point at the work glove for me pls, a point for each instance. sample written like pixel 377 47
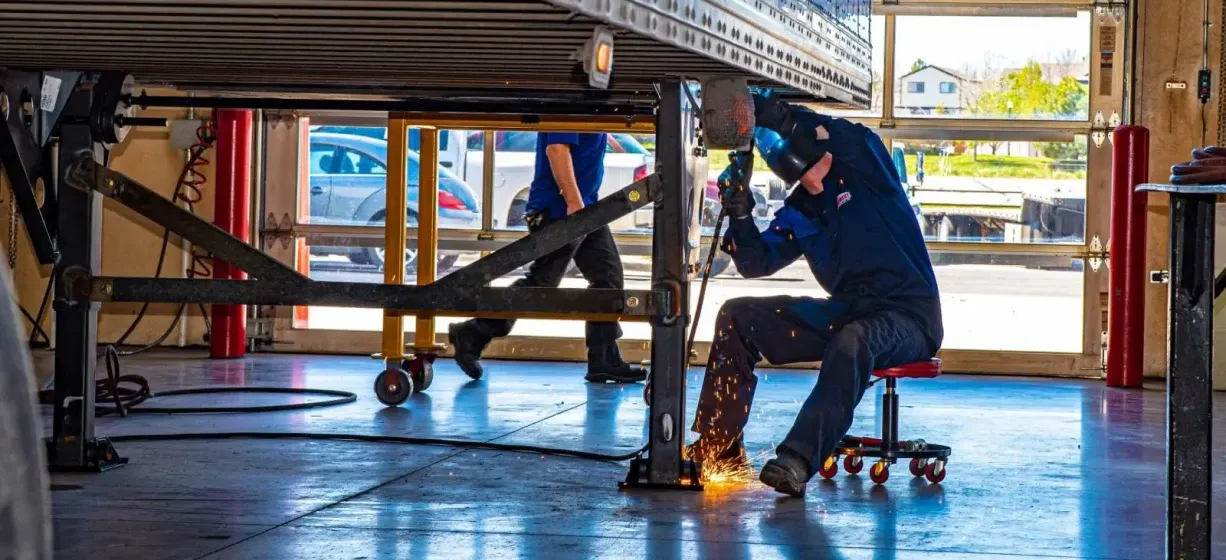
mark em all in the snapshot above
pixel 1208 166
pixel 734 193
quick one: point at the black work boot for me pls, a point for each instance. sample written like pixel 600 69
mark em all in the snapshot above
pixel 469 342
pixel 787 473
pixel 605 364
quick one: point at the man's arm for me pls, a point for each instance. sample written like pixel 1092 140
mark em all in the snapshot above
pixel 563 169
pixel 759 254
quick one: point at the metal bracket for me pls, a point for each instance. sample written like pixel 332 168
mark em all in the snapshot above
pixel 30 106
pixel 1097 255
pixel 282 231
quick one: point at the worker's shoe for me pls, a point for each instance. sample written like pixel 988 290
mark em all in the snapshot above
pixel 469 342
pixel 788 473
pixel 605 364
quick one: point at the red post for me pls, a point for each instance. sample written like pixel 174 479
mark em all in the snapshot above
pixel 231 213
pixel 1126 304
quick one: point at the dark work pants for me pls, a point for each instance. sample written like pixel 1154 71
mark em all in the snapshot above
pixel 596 257
pixel 749 329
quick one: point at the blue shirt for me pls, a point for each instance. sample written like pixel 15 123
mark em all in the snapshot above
pixel 587 154
pixel 860 236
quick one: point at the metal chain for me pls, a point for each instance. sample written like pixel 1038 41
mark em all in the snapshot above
pixel 12 246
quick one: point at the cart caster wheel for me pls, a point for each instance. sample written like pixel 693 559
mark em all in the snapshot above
pixel 935 472
pixel 829 468
pixel 853 464
pixel 918 465
pixel 393 386
pixel 422 372
pixel 880 472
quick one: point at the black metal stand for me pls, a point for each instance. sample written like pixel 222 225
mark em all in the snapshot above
pixel 72 446
pixel 1189 375
pixel 677 148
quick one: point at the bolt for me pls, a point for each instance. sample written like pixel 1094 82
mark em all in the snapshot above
pixel 634 196
pixel 109 182
pixel 106 290
pixel 632 302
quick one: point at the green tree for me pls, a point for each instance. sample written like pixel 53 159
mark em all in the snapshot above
pixel 1025 93
pixel 918 65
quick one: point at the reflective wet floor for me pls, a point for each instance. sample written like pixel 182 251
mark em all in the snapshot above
pixel 1040 469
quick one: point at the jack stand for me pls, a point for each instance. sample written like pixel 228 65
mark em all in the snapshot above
pixel 100 456
pixel 637 478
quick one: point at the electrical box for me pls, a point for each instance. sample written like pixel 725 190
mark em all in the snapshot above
pixel 183 133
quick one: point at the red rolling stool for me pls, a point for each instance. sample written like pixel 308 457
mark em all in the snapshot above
pixel 927 459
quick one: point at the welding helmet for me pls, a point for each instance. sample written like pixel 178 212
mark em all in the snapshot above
pixel 788 158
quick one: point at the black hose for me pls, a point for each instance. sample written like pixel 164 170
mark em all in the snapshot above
pixel 118 389
pixel 385 439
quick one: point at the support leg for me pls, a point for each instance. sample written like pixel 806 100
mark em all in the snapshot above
pixel 1189 378
pixel 395 236
pixel 72 446
pixel 232 214
pixel 427 237
pixel 675 144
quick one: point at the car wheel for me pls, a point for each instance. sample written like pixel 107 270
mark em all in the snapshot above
pixel 375 255
pixel 515 216
pixel 446 263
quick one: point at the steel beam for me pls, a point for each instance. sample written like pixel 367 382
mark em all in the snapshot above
pixel 401 299
pixel 72 445
pixel 87 175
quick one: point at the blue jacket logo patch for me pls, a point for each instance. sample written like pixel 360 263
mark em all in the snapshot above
pixel 842 199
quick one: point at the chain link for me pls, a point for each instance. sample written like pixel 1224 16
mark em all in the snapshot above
pixel 12 246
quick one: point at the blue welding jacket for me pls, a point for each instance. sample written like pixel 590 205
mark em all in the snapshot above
pixel 860 236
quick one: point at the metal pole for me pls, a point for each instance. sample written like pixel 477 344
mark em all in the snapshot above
pixel 1189 378
pixel 72 445
pixel 1126 304
pixel 427 233
pixel 231 213
pixel 395 234
pixel 669 236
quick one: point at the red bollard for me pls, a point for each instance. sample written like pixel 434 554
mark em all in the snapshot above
pixel 1126 304
pixel 231 213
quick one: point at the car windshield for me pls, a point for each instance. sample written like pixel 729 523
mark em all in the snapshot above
pixel 630 144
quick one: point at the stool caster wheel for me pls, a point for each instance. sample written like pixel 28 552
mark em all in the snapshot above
pixel 917 466
pixel 829 468
pixel 421 369
pixel 935 472
pixel 853 464
pixel 880 472
pixel 393 386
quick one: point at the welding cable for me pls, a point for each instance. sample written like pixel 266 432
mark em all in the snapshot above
pixel 467 444
pixel 118 389
pixel 706 276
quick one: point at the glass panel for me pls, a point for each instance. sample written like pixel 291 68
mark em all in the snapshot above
pixel 877 30
pixel 992 67
pixel 1010 192
pixel 348 177
pixel 623 159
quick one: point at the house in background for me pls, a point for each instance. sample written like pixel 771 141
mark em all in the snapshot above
pixel 931 90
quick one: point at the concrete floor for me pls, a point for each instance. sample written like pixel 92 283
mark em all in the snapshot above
pixel 1041 469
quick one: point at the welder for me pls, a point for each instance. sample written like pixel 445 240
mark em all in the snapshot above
pixel 851 220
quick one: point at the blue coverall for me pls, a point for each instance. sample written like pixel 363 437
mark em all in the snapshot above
pixel 864 245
